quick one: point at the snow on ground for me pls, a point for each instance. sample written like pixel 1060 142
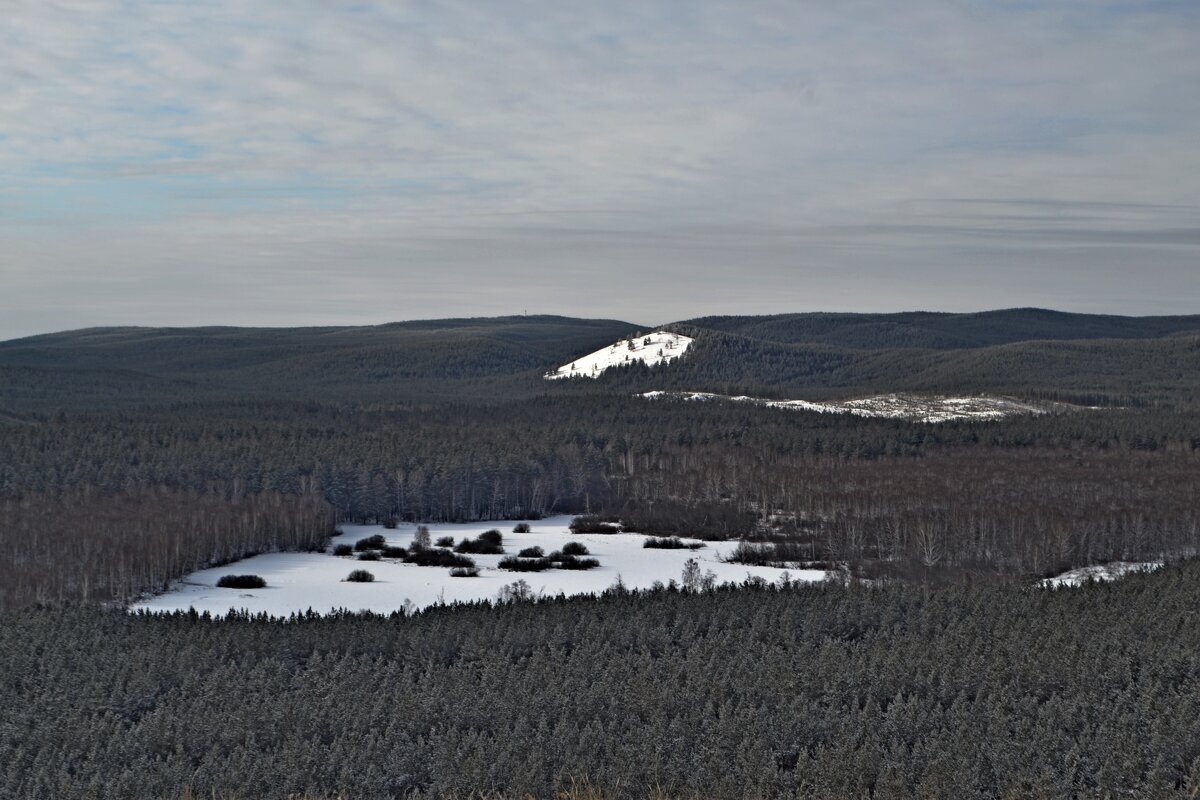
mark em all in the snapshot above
pixel 659 347
pixel 297 582
pixel 1101 572
pixel 894 406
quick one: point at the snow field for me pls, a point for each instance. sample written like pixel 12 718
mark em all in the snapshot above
pixel 651 349
pixel 891 406
pixel 297 582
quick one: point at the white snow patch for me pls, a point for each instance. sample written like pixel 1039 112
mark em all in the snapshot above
pixel 893 406
pixel 1101 572
pixel 651 349
pixel 297 582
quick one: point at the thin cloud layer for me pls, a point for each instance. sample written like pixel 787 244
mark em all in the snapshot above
pixel 314 162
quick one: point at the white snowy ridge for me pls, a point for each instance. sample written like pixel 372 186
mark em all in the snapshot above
pixel 651 349
pixel 892 406
pixel 1101 572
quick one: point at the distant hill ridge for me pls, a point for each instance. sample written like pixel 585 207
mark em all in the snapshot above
pixel 1027 352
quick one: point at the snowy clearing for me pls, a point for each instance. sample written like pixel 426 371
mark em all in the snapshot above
pixel 651 349
pixel 890 406
pixel 297 582
pixel 1101 572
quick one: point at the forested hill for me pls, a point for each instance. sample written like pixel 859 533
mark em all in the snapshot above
pixel 943 331
pixel 1102 360
pixel 100 368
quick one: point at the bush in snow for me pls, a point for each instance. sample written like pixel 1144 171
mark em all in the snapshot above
pixel 516 564
pixel 241 582
pixel 434 557
pixel 445 541
pixel 342 550
pixel 368 555
pixel 571 562
pixel 488 543
pixel 422 540
pixel 394 552
pixel 671 543
pixel 391 523
pixel 532 552
pixel 370 543
pixel 360 576
pixel 590 523
pixel 464 572
pixel 521 527
pixel 575 549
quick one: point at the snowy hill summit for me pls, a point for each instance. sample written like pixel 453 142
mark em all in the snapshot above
pixel 659 347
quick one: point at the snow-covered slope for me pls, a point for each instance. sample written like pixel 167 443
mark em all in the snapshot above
pixel 893 406
pixel 1101 572
pixel 659 347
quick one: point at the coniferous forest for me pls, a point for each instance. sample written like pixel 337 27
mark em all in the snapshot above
pixel 936 667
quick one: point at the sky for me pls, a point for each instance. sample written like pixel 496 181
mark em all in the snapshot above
pixel 325 162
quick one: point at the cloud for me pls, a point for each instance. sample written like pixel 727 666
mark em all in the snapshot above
pixel 314 161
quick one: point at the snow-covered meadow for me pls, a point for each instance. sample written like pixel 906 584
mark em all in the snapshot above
pixel 918 408
pixel 297 582
pixel 1101 572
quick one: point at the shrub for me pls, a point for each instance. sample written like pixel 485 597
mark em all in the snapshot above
pixel 571 562
pixel 482 546
pixel 590 523
pixel 521 527
pixel 492 537
pixel 464 572
pixel 241 582
pixel 575 549
pixel 516 564
pixel 369 555
pixel 370 543
pixel 422 540
pixel 671 543
pixel 394 552
pixel 445 541
pixel 360 576
pixel 437 558
pixel 342 550
pixel 532 552
pixel 391 523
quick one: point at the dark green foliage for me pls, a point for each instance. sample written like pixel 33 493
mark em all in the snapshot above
pixel 374 542
pixel 698 520
pixel 592 523
pixel 575 549
pixel 241 582
pixel 671 543
pixel 343 550
pixel 532 552
pixel 360 576
pixel 814 692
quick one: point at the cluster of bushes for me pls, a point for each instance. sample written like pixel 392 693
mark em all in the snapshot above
pixel 241 582
pixel 444 541
pixel 376 542
pixel 670 543
pixel 343 550
pixel 437 557
pixel 489 543
pixel 594 523
pixel 534 559
pixel 360 576
pixel 775 554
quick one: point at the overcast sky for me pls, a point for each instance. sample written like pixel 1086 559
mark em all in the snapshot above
pixel 309 162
